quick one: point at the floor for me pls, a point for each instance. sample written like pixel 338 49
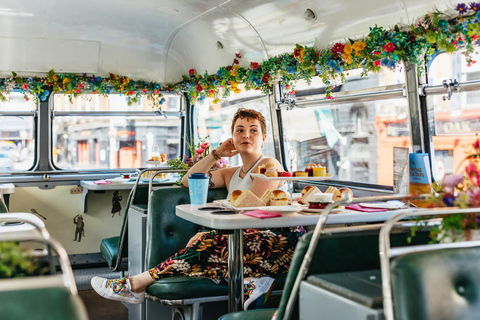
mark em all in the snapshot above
pixel 99 308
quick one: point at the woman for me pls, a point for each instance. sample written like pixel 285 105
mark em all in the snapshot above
pixel 201 257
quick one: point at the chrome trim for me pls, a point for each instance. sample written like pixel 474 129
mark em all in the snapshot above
pixel 115 113
pixel 347 98
pixel 461 86
pixel 413 99
pixel 32 113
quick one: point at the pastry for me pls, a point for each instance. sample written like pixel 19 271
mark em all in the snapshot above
pixel 346 193
pixel 271 170
pixel 320 200
pixel 301 174
pixel 234 195
pixel 278 198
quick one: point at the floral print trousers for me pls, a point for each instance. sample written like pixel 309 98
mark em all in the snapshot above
pixel 265 252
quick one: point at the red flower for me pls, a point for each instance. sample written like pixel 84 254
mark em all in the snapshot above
pixel 191 72
pixel 337 48
pixel 78 91
pixel 296 53
pixel 199 88
pixel 235 61
pixel 80 86
pixel 376 53
pixel 204 145
pixel 238 55
pixel 377 63
pixel 474 37
pixel 131 93
pixel 24 86
pixel 389 47
pixel 476 144
pixel 266 77
pixel 318 54
pixel 157 91
pixel 211 91
pixel 254 65
pixel 95 91
pixel 228 68
pixel 145 90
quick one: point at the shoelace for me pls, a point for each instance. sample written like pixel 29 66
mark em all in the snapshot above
pixel 117 284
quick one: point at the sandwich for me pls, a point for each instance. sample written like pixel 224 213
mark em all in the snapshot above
pixel 234 195
pixel 278 198
pixel 247 199
pixel 266 197
pixel 308 194
pixel 337 195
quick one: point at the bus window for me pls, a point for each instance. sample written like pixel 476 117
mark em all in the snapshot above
pixel 17 143
pixel 456 120
pixel 96 132
pixel 354 140
pixel 215 119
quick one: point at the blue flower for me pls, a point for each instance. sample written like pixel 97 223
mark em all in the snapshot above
pixel 332 64
pixel 219 72
pixel 339 69
pixel 99 79
pixel 216 83
pixel 291 70
pixel 442 24
pixel 161 101
pixel 477 17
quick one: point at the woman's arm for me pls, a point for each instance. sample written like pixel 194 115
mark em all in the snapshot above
pixel 226 149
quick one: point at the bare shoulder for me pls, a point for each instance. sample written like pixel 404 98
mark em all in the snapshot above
pixel 271 160
pixel 227 172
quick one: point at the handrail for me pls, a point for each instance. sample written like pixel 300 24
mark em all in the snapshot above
pixel 386 252
pixel 67 273
pixel 319 227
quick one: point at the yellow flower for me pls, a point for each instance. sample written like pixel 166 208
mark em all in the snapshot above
pixel 233 72
pixel 236 67
pixel 358 47
pixel 347 49
pixel 348 58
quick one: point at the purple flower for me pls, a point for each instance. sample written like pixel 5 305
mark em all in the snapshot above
pixel 461 8
pixel 475 6
pixel 451 181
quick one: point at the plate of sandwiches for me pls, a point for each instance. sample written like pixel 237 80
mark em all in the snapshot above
pixel 246 200
pixel 279 177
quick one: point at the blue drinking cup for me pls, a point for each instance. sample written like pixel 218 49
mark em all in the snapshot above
pixel 198 188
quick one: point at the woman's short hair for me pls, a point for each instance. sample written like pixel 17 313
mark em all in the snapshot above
pixel 250 114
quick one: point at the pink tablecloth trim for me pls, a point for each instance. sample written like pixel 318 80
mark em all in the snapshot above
pixel 358 207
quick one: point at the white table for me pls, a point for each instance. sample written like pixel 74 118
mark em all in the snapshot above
pixel 118 184
pixel 238 222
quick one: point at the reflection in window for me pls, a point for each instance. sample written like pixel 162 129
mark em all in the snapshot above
pixel 215 120
pixel 17 144
pixel 353 141
pixel 117 141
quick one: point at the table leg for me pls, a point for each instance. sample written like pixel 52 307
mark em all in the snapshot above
pixel 235 271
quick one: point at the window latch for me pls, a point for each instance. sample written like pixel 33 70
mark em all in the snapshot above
pixel 449 84
pixel 288 100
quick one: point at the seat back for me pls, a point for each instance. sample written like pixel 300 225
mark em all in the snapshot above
pixel 436 281
pixel 37 297
pixel 166 232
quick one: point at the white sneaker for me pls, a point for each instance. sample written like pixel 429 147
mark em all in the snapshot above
pixel 260 289
pixel 117 289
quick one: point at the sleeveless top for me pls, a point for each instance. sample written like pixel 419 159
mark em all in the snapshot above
pixel 237 183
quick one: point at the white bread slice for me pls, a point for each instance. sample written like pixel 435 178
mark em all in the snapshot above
pixel 248 199
pixel 266 197
pixel 309 195
pixel 337 195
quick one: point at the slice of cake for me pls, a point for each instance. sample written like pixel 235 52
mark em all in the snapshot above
pixel 248 199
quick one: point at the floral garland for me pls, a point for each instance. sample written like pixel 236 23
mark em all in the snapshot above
pixel 74 85
pixel 435 31
pixel 417 42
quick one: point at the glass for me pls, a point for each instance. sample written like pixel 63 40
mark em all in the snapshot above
pixel 17 142
pixel 354 141
pixel 110 142
pixel 215 120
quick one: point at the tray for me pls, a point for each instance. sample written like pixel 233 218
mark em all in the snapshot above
pixel 264 177
pixel 290 208
pixel 321 210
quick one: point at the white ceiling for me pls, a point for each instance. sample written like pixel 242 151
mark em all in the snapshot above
pixel 160 40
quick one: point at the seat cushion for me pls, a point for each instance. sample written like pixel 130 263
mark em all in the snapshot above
pixel 260 314
pixel 43 303
pixel 177 288
pixel 109 250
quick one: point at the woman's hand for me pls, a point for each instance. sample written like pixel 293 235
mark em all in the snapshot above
pixel 226 149
pixel 195 238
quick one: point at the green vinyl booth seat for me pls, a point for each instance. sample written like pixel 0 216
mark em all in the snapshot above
pixel 343 253
pixel 53 303
pixel 169 234
pixel 110 247
pixel 438 284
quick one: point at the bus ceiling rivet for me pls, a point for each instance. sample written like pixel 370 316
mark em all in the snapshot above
pixel 309 14
pixel 219 45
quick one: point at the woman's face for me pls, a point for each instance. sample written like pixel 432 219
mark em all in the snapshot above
pixel 248 136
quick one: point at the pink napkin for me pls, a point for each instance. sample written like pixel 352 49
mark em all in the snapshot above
pixel 262 214
pixel 358 207
pixel 101 182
